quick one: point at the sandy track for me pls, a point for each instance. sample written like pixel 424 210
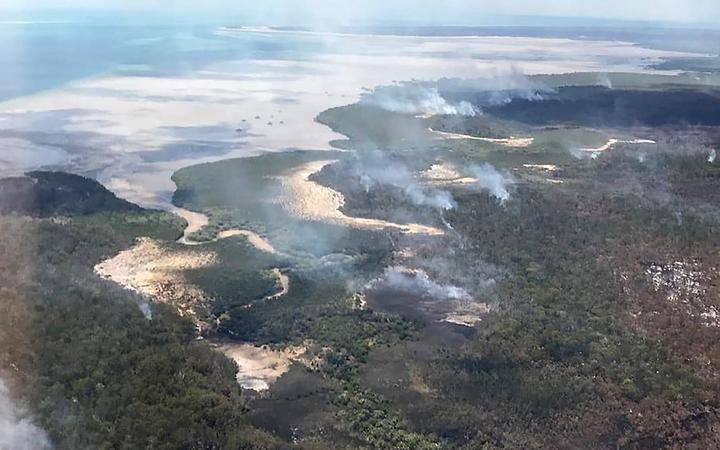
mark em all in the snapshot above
pixel 541 167
pixel 613 142
pixel 284 281
pixel 157 272
pixel 255 239
pixel 515 142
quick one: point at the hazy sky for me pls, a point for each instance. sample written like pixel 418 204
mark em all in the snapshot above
pixel 429 11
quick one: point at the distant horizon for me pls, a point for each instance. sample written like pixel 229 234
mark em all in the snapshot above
pixel 100 16
pixel 320 13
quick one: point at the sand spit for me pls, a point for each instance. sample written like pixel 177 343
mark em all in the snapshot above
pixel 512 141
pixel 613 142
pixel 156 271
pixel 259 367
pixel 541 167
pixel 309 200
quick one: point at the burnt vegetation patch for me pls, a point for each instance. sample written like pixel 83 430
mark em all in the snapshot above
pixel 596 106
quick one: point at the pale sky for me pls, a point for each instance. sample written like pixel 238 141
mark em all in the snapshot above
pixel 428 11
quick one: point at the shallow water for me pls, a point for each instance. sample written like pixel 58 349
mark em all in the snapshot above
pixel 134 104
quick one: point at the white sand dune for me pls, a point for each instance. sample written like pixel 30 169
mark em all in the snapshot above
pixel 310 200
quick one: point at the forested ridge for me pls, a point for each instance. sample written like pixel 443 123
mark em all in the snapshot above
pixel 96 373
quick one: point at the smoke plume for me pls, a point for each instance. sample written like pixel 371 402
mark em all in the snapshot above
pixel 500 88
pixel 496 182
pixel 376 169
pixel 605 81
pixel 146 309
pixel 414 98
pixel 418 282
pixel 17 432
pixel 456 97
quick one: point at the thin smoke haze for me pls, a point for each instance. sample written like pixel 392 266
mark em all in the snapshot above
pixel 17 431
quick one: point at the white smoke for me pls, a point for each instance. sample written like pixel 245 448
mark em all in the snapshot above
pixel 413 98
pixel 376 170
pixel 496 182
pixel 146 310
pixel 712 156
pixel 605 81
pixel 436 98
pixel 501 87
pixel 447 224
pixel 17 432
pixel 418 282
pixel 433 197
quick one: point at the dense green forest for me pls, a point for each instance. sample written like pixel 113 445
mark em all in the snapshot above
pixel 581 350
pixel 597 277
pixel 96 372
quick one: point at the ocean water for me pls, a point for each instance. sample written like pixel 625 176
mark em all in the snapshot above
pixel 38 56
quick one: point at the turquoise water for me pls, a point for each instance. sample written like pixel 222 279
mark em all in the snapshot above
pixel 40 56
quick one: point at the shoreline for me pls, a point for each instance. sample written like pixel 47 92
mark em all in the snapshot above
pixel 238 107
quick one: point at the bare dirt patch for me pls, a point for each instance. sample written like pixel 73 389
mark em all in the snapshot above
pixel 259 367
